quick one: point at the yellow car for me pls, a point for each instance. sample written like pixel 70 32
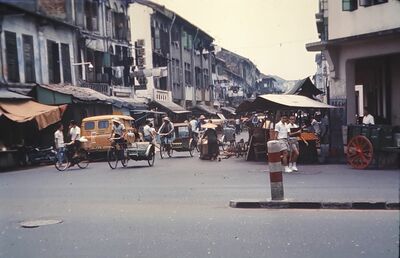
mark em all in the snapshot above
pixel 97 130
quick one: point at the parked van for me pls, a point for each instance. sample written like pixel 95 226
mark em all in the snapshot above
pixel 97 129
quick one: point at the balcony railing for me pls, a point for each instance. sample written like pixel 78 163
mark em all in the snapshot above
pixel 162 95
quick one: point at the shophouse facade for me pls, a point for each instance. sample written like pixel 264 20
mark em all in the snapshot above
pixel 173 57
pixel 360 41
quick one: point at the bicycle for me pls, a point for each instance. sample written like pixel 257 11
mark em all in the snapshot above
pixel 116 153
pixel 65 159
pixel 165 147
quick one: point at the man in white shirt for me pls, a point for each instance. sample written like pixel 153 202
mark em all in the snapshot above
pixel 294 131
pixel 147 133
pixel 281 134
pixel 59 142
pixel 193 124
pixel 117 131
pixel 75 133
pixel 368 119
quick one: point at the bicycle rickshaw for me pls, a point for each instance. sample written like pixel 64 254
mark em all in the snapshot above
pixel 182 142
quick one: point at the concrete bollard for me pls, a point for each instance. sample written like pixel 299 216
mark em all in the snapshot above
pixel 275 170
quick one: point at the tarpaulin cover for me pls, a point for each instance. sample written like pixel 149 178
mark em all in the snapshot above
pixel 281 102
pixel 26 110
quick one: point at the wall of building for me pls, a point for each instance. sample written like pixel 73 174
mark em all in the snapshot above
pixel 140 18
pixel 28 25
pixel 345 23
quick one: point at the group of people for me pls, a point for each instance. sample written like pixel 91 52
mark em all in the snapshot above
pixel 74 133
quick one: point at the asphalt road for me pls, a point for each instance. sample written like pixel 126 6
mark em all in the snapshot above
pixel 180 208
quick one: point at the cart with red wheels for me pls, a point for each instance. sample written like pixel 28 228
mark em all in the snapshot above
pixel 369 143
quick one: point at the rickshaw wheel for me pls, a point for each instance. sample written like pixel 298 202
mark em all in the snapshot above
pixel 360 152
pixel 151 158
pixel 191 148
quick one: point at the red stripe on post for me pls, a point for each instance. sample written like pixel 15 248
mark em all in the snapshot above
pixel 274 157
pixel 275 177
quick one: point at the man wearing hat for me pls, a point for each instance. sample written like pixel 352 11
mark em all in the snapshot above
pixel 166 130
pixel 117 131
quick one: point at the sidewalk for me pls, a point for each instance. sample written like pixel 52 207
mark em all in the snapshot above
pixel 333 186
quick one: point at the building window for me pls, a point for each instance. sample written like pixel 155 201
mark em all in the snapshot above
pixel 366 3
pixel 12 56
pixel 53 58
pixel 91 14
pixel 206 78
pixel 66 63
pixel 29 58
pixel 197 75
pixel 188 74
pixel 349 5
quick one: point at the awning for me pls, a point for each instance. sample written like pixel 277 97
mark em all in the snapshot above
pixel 208 110
pixel 170 106
pixel 229 110
pixel 281 102
pixel 22 111
pixel 6 94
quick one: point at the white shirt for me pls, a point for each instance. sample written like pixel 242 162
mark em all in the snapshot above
pixel 119 129
pixel 368 120
pixel 146 130
pixel 290 126
pixel 193 124
pixel 282 130
pixel 237 121
pixel 59 139
pixel 75 133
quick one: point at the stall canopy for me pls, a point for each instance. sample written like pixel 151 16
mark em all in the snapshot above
pixel 281 102
pixel 207 110
pixel 229 110
pixel 169 106
pixel 22 111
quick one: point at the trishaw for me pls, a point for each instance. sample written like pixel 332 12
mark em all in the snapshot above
pixel 137 151
pixel 182 141
pixel 368 142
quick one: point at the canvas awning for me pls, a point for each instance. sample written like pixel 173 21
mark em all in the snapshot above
pixel 229 110
pixel 206 109
pixel 170 106
pixel 22 111
pixel 281 102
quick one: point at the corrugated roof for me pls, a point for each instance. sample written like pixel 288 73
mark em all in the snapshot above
pixel 175 108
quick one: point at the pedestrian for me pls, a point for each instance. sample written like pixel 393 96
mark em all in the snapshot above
pixel 254 120
pixel 294 132
pixel 237 125
pixel 368 119
pixel 210 134
pixel 202 121
pixel 59 142
pixel 193 123
pixel 153 132
pixel 316 124
pixel 166 132
pixel 281 134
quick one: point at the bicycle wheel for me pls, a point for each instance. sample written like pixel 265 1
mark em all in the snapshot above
pixel 151 157
pixel 83 159
pixel 63 163
pixel 112 158
pixel 191 148
pixel 123 157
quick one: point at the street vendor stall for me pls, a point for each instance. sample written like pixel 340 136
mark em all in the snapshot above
pixel 270 104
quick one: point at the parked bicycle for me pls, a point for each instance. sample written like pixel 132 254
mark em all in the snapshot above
pixel 69 157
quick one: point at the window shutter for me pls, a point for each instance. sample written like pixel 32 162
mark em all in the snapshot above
pixel 66 63
pixel 12 56
pixel 29 58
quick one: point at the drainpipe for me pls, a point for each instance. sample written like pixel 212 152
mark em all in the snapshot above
pixel 194 69
pixel 2 79
pixel 170 54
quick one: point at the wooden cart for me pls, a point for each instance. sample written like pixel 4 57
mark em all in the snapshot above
pixel 366 143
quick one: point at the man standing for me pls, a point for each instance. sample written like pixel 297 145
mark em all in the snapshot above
pixel 147 133
pixel 59 142
pixel 294 131
pixel 193 124
pixel 368 119
pixel 281 134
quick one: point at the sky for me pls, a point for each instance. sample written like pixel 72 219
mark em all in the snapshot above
pixel 271 33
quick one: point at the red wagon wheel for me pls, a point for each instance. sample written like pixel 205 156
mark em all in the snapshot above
pixel 359 152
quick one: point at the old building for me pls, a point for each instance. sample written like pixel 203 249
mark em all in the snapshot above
pixel 173 57
pixel 38 43
pixel 237 77
pixel 361 43
pixel 80 42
